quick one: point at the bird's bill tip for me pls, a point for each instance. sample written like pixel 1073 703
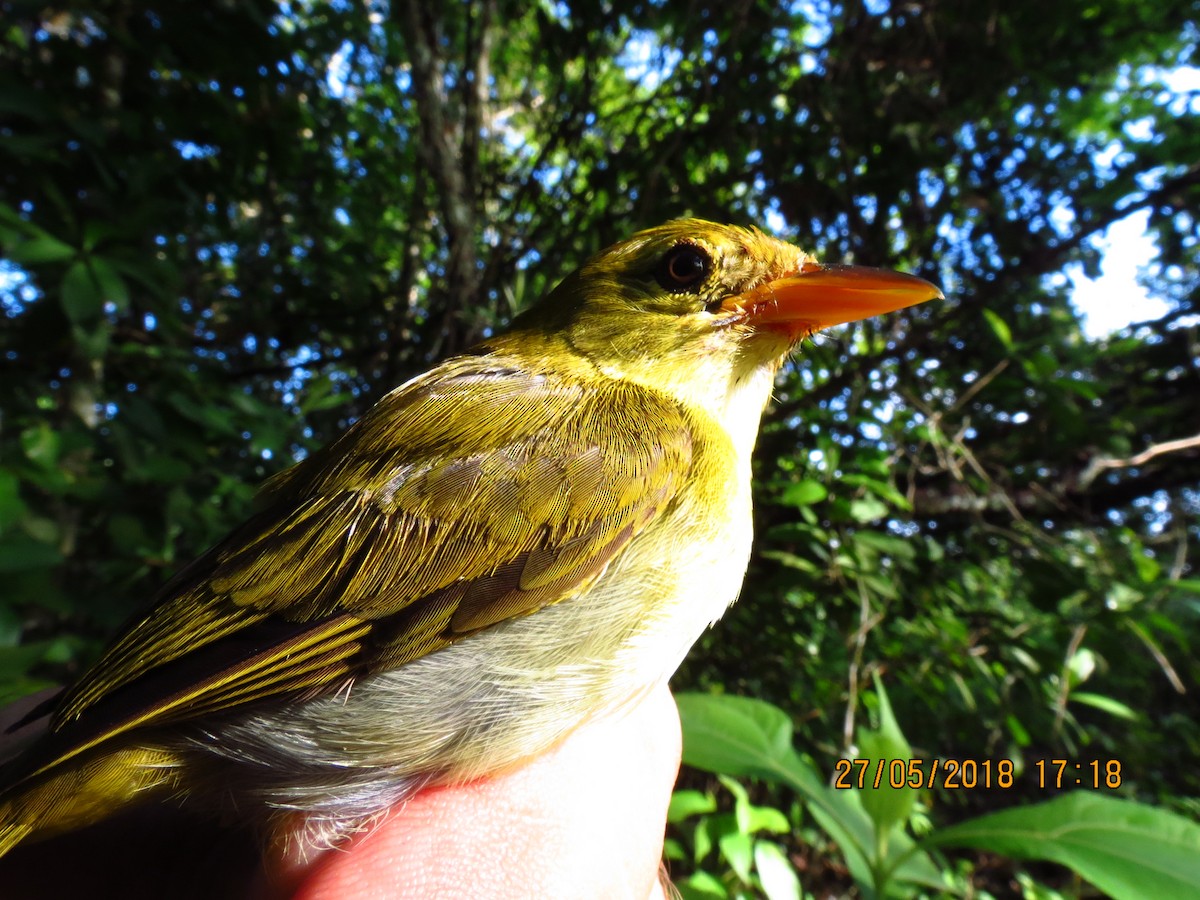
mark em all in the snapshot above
pixel 821 296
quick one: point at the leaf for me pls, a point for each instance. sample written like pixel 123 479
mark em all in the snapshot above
pixel 738 849
pixel 803 493
pixel 896 547
pixel 1126 849
pixel 112 286
pixel 685 804
pixel 96 231
pixel 791 560
pixel 128 535
pixel 19 553
pixel 887 806
pixel 1018 731
pixel 673 851
pixel 320 395
pixel 769 819
pixel 882 489
pixel 735 735
pixel 741 803
pixel 82 300
pixel 1107 704
pixel 11 626
pixel 702 886
pixel 1075 386
pixel 1080 666
pixel 41 445
pixel 1147 567
pixel 775 872
pixel 867 509
pixel 12 508
pixel 17 661
pixel 999 328
pixel 41 249
pixel 92 338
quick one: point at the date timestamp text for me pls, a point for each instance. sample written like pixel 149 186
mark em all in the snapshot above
pixel 972 774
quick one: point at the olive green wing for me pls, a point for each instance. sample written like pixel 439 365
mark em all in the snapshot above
pixel 480 492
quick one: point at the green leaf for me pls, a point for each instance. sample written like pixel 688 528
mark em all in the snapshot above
pixel 1020 734
pixel 41 249
pixel 867 509
pixel 775 872
pixel 111 285
pixel 320 395
pixel 881 489
pixel 887 544
pixel 1075 386
pixel 702 886
pixel 19 553
pixel 41 445
pixel 1080 666
pixel 91 338
pixel 11 626
pixel 16 661
pixel 82 299
pixel 1147 567
pixel 999 328
pixel 685 804
pixel 1107 704
pixel 769 819
pixel 673 851
pixel 791 560
pixel 128 534
pixel 803 493
pixel 98 230
pixel 217 418
pixel 738 850
pixel 1126 849
pixel 741 803
pixel 12 508
pixel 735 735
pixel 887 806
pixel 42 528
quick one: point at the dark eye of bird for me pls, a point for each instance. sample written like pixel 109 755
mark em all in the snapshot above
pixel 683 268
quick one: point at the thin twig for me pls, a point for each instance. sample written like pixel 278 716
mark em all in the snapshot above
pixel 1104 463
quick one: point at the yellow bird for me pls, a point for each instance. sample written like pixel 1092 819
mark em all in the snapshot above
pixel 528 535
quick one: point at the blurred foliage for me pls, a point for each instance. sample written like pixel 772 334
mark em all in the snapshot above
pixel 226 228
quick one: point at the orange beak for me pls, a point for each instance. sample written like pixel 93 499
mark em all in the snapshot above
pixel 820 296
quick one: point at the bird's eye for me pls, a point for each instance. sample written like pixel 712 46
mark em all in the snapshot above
pixel 683 268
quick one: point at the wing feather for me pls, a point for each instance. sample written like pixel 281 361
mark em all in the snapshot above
pixel 477 493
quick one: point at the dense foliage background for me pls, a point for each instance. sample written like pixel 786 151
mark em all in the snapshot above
pixel 226 228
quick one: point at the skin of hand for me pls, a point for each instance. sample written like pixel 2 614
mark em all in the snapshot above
pixel 584 820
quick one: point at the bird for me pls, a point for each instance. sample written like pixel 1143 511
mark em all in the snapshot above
pixel 529 535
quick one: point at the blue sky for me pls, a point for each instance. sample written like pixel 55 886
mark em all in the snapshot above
pixel 1115 299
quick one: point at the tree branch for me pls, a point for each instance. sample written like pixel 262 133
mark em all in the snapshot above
pixel 1103 463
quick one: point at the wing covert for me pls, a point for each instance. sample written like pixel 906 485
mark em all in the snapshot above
pixel 386 546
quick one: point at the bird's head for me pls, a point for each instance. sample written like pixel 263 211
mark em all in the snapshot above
pixel 708 312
